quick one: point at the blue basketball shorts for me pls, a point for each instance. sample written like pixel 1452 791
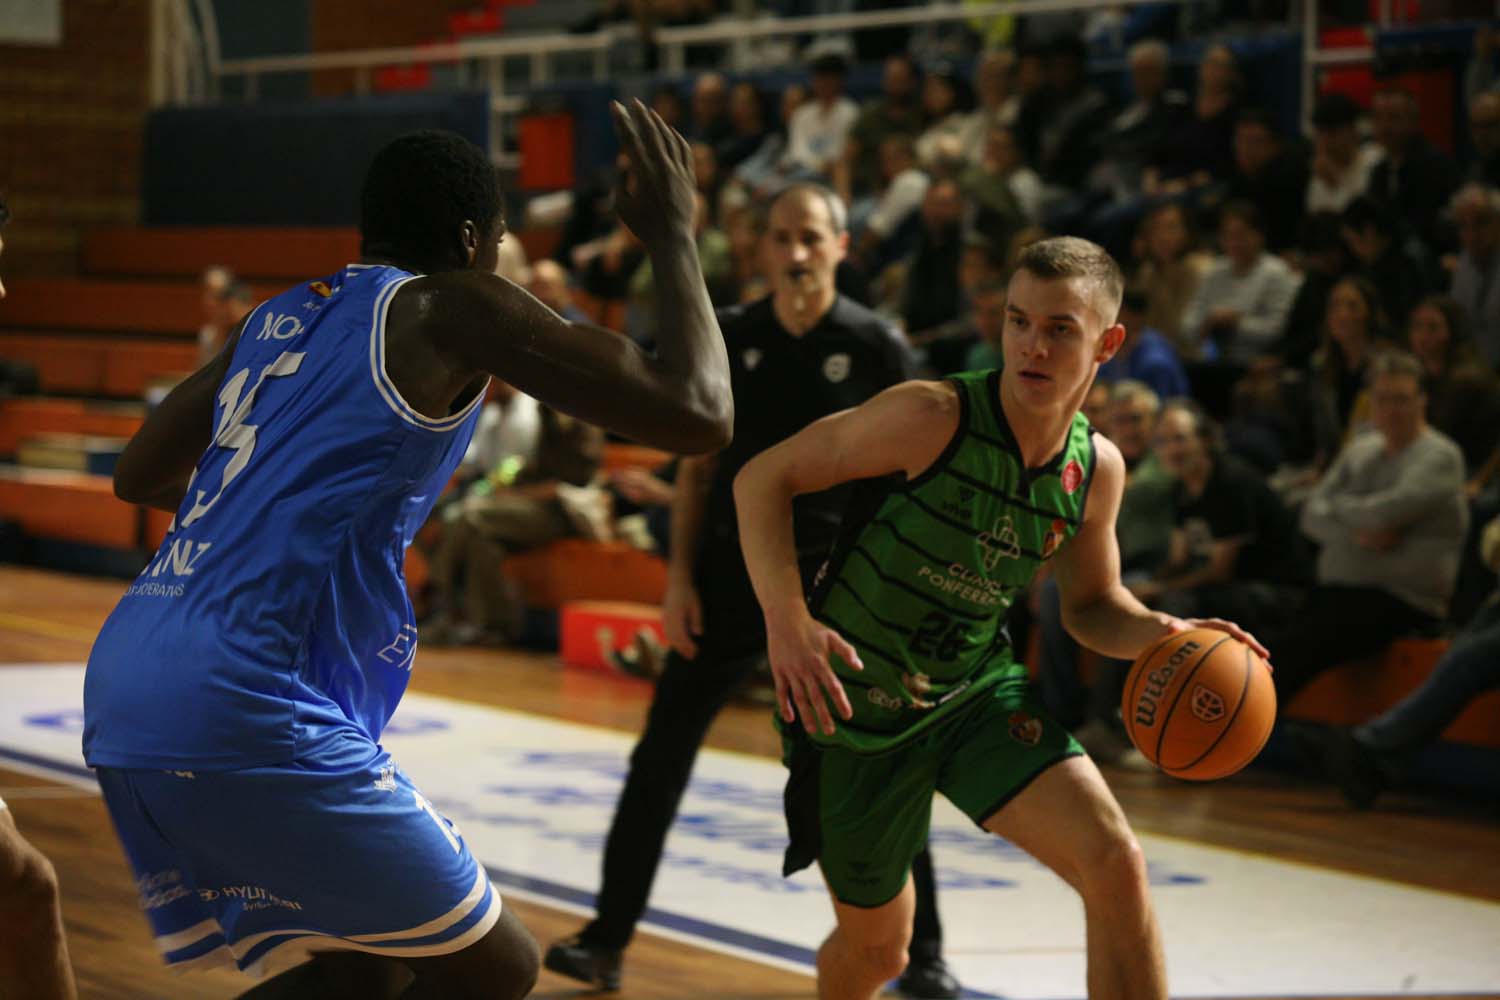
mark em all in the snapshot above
pixel 263 866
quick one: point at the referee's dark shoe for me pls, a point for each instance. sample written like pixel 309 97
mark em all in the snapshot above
pixel 576 959
pixel 927 978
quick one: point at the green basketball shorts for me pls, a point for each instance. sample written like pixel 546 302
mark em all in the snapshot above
pixel 864 818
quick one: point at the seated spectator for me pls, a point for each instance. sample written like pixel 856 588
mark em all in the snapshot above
pixel 711 124
pixel 1068 123
pixel 1268 174
pixel 1145 356
pixel 1240 309
pixel 1379 253
pixel 1005 192
pixel 946 104
pixel 1476 277
pixel 227 300
pixel 1413 181
pixel 1365 760
pixel 666 100
pixel 1354 332
pixel 743 229
pixel 932 294
pixel 605 265
pixel 1390 519
pixel 1284 427
pixel 818 130
pixel 1137 133
pixel 1463 395
pixel 1170 272
pixel 878 222
pixel 553 498
pixel 767 169
pixel 748 125
pixel 948 347
pixel 1342 163
pixel 988 318
pixel 999 101
pixel 1199 146
pixel 1325 259
pixel 1484 140
pixel 549 283
pixel 709 179
pixel 1235 551
pixel 897 111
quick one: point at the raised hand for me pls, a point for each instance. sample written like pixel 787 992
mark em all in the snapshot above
pixel 655 193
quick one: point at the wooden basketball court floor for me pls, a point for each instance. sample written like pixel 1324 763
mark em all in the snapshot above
pixel 49 617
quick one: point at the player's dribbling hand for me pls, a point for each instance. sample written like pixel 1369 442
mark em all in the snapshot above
pixel 805 682
pixel 1175 625
pixel 655 193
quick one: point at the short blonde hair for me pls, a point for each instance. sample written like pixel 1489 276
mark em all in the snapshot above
pixel 1072 257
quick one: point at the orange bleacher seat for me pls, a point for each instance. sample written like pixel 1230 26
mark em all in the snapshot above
pixel 591 630
pixel 98 366
pixel 25 416
pixel 68 506
pixel 163 307
pixel 1351 693
pixel 277 252
pixel 576 570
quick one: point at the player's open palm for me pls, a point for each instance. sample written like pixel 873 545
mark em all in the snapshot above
pixel 655 194
pixel 800 654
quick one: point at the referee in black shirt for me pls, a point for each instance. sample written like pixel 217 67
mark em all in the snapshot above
pixel 800 354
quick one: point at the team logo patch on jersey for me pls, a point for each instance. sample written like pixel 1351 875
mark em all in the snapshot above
pixel 836 367
pixel 1207 705
pixel 321 288
pixel 1000 542
pixel 751 358
pixel 1025 728
pixel 1072 476
pixel 1054 537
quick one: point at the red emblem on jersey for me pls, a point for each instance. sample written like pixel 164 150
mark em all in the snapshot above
pixel 325 291
pixel 1072 476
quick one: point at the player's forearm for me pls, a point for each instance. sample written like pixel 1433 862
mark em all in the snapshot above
pixel 688 503
pixel 763 504
pixel 1115 624
pixel 689 344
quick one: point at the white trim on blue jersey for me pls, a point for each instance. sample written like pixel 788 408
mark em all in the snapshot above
pixel 383 383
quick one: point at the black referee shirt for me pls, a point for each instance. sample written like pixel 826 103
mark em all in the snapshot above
pixel 781 384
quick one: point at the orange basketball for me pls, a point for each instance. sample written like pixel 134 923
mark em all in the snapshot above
pixel 1199 704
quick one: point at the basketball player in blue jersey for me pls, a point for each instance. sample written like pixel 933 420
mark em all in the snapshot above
pixel 33 949
pixel 235 698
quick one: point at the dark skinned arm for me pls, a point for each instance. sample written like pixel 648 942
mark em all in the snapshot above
pixel 153 469
pixel 678 398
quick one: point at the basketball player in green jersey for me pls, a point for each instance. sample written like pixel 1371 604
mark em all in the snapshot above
pixel 972 483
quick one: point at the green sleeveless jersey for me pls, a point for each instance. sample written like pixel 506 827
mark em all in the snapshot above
pixel 925 570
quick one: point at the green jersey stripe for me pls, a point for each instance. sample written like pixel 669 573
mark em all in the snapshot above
pixel 1009 498
pixel 925 598
pixel 884 623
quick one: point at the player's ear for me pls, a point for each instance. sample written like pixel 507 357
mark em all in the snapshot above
pixel 469 236
pixel 1113 337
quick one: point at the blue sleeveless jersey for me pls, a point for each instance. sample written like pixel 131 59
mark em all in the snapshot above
pixel 273 622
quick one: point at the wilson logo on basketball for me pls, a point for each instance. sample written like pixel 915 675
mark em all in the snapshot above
pixel 1207 705
pixel 1157 681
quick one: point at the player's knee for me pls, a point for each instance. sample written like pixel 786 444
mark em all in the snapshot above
pixel 1115 866
pixel 517 959
pixel 28 891
pixel 885 960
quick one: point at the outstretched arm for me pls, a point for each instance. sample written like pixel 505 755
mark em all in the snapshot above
pixel 678 398
pixel 903 429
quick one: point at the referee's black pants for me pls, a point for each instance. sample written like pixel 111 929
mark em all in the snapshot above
pixel 688 696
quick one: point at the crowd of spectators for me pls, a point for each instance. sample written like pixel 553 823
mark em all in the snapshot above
pixel 1307 396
